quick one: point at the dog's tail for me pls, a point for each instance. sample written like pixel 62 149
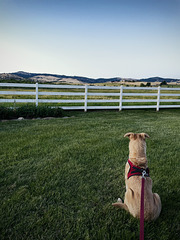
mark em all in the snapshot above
pixel 121 205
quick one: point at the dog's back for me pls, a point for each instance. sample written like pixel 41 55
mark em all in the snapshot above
pixel 152 202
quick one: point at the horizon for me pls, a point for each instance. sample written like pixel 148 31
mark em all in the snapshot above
pixel 58 74
pixel 95 39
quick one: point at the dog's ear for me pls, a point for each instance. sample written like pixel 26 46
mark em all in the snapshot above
pixel 144 135
pixel 129 134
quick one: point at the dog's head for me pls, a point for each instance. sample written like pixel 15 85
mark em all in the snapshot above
pixel 137 144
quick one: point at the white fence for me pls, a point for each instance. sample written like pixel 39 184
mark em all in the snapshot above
pixel 85 97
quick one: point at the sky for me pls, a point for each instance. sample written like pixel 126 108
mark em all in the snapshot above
pixel 91 38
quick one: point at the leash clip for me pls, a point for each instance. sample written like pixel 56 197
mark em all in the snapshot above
pixel 143 174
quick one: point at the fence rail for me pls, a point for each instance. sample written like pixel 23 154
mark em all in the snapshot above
pixel 85 97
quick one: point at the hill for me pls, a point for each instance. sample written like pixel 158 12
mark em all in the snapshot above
pixel 55 78
pixel 159 79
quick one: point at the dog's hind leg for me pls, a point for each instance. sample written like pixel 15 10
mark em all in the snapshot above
pixel 157 204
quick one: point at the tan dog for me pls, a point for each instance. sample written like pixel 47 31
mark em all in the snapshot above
pixel 137 157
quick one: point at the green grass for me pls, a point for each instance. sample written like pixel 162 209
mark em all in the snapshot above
pixel 59 177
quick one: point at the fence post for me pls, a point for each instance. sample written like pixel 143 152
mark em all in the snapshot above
pixel 85 98
pixel 158 98
pixel 121 98
pixel 36 94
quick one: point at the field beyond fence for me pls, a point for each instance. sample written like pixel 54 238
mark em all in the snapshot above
pixel 85 97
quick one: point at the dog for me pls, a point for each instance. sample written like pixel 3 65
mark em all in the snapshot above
pixel 136 164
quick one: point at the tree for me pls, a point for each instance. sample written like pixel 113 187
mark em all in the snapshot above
pixel 163 83
pixel 148 84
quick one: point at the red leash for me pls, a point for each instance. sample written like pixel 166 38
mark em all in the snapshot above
pixel 142 207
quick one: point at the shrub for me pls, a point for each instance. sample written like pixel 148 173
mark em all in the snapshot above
pixel 7 113
pixel 45 111
pixel 30 111
pixel 27 111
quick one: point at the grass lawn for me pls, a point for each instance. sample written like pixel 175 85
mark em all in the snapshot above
pixel 59 177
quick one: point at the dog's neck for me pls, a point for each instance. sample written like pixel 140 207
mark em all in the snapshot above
pixel 137 153
pixel 140 162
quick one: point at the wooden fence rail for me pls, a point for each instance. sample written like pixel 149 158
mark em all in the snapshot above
pixel 85 97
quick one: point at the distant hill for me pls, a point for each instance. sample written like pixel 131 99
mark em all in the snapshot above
pixel 55 78
pixel 159 79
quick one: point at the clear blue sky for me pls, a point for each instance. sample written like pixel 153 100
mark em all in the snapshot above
pixel 92 38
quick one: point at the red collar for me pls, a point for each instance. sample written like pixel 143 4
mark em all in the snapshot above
pixel 136 171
